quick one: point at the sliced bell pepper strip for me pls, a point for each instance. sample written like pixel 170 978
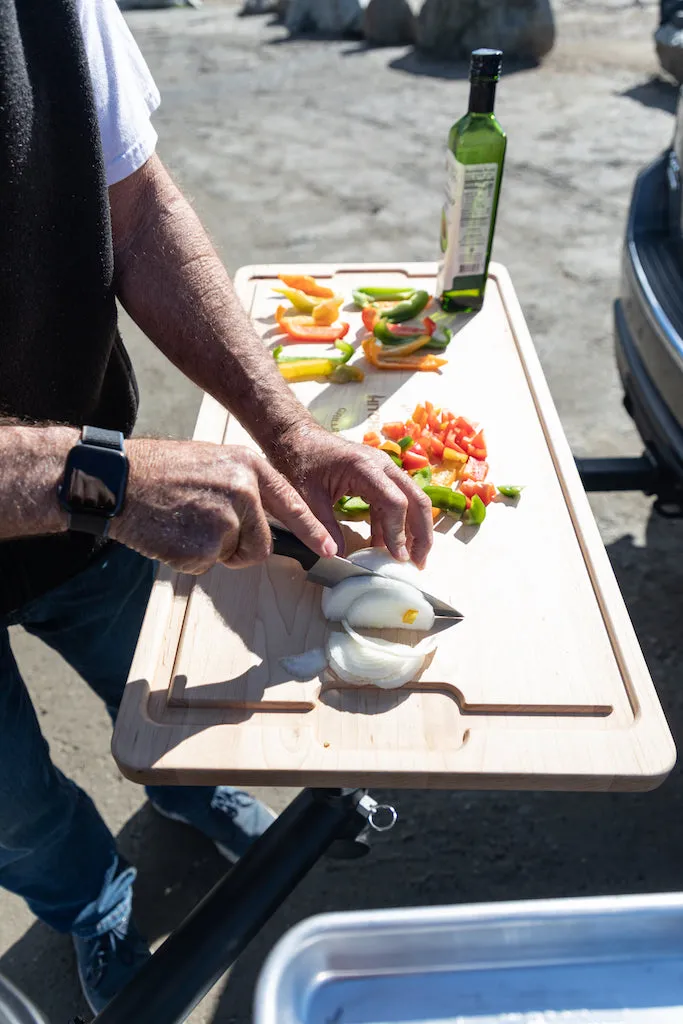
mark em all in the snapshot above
pixel 304 328
pixel 370 317
pixel 412 363
pixel 391 334
pixel 306 284
pixel 405 349
pixel 409 308
pixel 345 374
pixel 341 353
pixel 363 296
pixel 307 369
pixel 327 311
pixel 304 303
pixel 353 505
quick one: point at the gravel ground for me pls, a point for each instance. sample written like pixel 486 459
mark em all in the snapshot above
pixel 303 151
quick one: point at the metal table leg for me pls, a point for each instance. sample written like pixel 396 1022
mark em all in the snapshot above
pixel 211 938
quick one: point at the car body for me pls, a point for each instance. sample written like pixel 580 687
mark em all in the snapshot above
pixel 648 315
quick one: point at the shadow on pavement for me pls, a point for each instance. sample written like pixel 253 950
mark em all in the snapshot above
pixel 447 847
pixel 655 92
pixel 416 63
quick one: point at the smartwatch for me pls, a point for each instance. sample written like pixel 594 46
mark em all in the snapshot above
pixel 93 488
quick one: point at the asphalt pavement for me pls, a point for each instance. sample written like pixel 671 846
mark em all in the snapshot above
pixel 314 151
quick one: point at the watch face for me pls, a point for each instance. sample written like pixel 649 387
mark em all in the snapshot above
pixel 94 481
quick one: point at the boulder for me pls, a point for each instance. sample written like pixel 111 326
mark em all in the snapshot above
pixel 329 17
pixel 453 28
pixel 390 22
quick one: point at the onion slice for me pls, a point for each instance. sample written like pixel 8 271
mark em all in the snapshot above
pixel 305 666
pixel 380 561
pixel 394 650
pixel 378 603
pixel 359 666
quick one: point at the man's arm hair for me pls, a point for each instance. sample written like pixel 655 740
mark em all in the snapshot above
pixel 172 283
pixel 31 465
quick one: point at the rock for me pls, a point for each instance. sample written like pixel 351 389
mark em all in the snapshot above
pixel 389 23
pixel 329 17
pixel 453 28
pixel 258 7
pixel 669 44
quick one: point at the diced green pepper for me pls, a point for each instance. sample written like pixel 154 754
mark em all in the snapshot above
pixel 422 477
pixel 508 490
pixel 408 309
pixel 396 458
pixel 349 506
pixel 405 442
pixel 476 513
pixel 446 499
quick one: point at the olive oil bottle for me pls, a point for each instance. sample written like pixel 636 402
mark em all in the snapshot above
pixel 475 157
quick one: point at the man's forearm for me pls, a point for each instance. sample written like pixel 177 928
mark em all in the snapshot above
pixel 31 466
pixel 172 283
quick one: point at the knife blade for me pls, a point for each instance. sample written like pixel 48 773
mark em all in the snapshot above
pixel 330 571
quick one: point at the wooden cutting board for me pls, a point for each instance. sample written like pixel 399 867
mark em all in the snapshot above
pixel 542 685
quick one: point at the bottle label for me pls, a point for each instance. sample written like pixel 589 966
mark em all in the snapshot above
pixel 466 219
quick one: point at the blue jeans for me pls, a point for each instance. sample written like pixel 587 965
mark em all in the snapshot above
pixel 55 849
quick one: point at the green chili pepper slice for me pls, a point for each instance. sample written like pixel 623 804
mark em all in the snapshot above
pixel 508 490
pixel 446 499
pixel 408 309
pixel 405 442
pixel 395 458
pixel 476 513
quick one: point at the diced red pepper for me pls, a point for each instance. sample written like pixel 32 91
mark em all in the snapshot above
pixel 429 325
pixel 395 431
pixel 486 492
pixel 450 442
pixel 418 448
pixel 435 444
pixel 475 469
pixel 412 460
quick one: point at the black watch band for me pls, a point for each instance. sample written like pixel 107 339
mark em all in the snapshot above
pixel 94 484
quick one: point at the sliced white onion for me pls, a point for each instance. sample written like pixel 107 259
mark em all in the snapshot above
pixel 424 647
pixel 380 561
pixel 356 662
pixel 305 666
pixel 357 665
pixel 378 603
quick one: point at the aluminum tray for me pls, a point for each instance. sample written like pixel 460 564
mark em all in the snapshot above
pixel 610 960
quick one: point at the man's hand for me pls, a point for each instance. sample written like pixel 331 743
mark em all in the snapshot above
pixel 323 468
pixel 191 505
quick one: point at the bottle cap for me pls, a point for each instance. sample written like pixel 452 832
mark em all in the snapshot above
pixel 486 64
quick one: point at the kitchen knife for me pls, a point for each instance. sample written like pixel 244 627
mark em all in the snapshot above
pixel 330 571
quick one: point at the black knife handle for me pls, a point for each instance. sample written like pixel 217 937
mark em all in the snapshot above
pixel 289 546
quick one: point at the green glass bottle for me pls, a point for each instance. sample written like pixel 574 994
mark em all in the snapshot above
pixel 475 157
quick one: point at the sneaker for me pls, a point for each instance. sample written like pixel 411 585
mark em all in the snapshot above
pixel 106 963
pixel 232 819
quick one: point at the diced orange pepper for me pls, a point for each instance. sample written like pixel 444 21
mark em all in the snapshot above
pixel 436 514
pixel 486 492
pixel 420 415
pixel 306 284
pixel 390 446
pixel 444 477
pixel 372 438
pixel 395 431
pixel 450 455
